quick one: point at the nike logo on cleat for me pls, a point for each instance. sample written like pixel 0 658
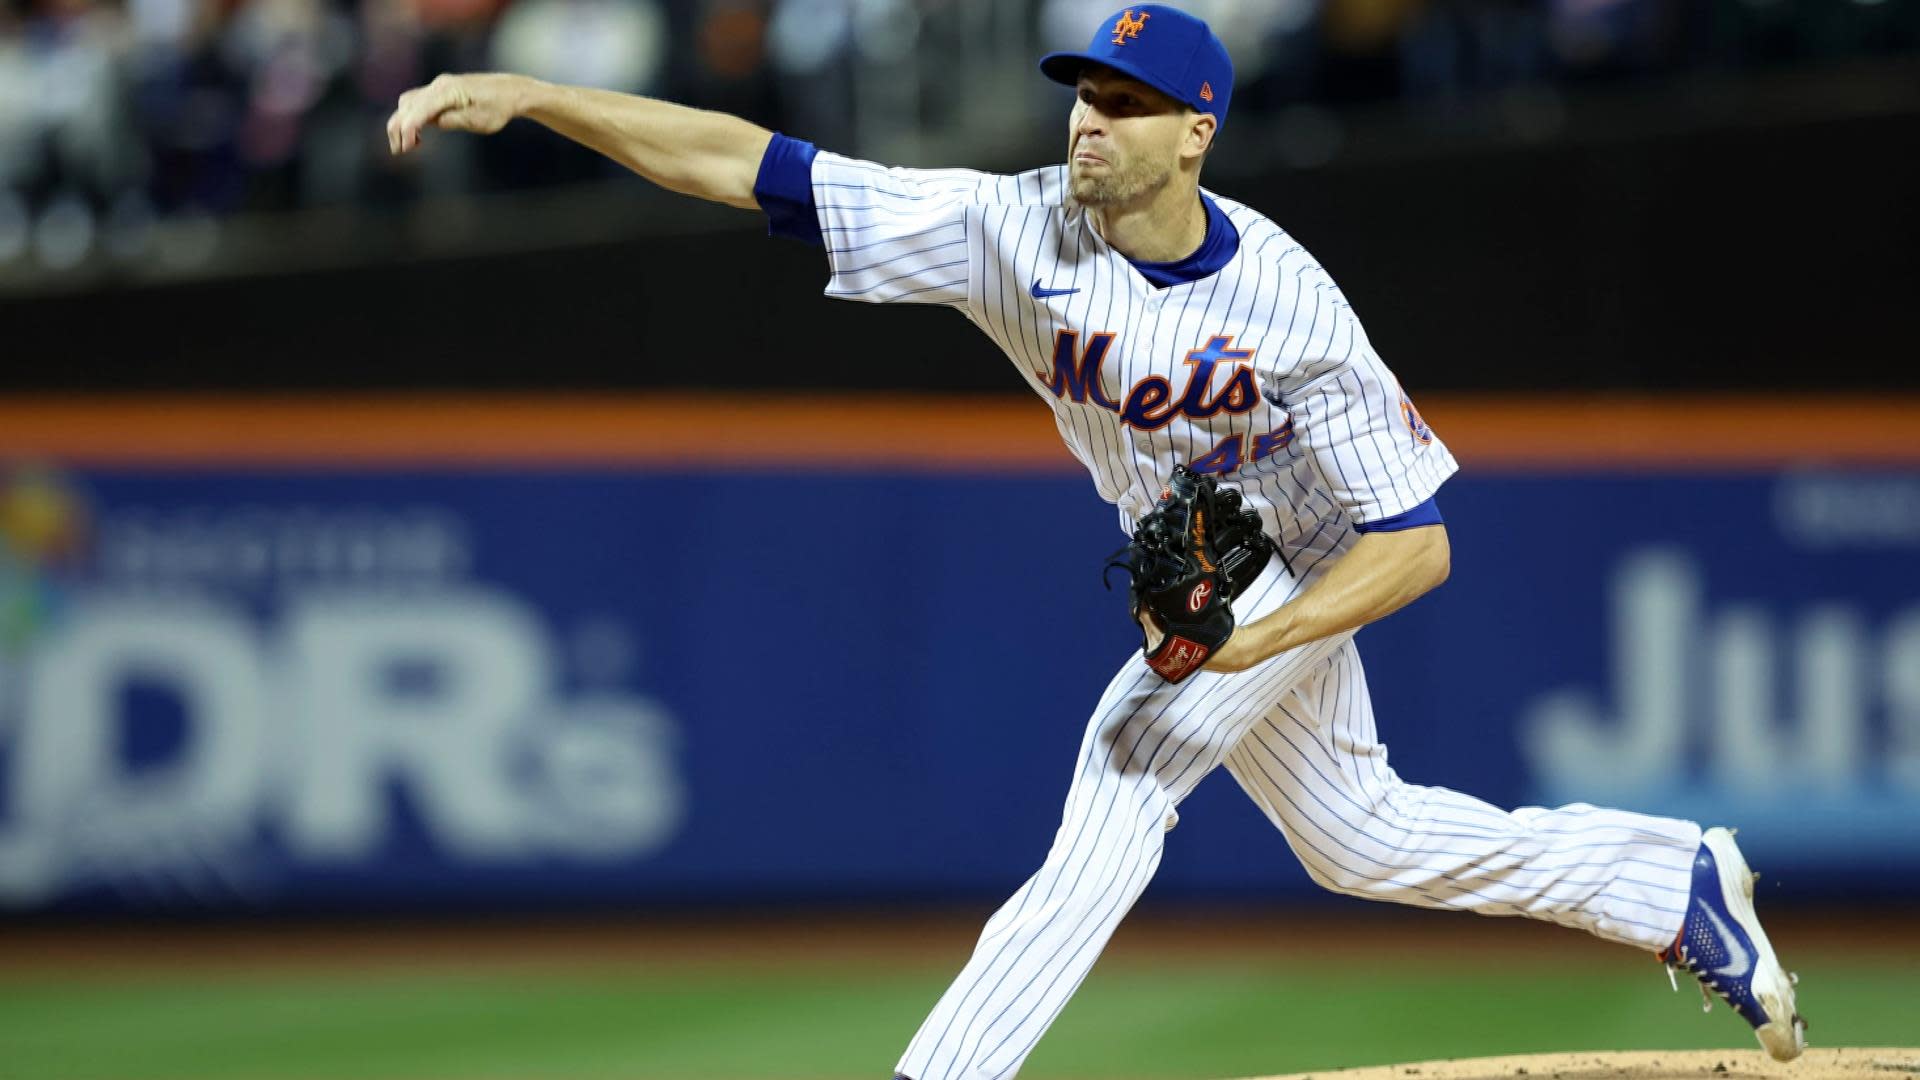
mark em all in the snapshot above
pixel 1041 294
pixel 1738 961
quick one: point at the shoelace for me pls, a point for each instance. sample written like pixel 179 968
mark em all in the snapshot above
pixel 1706 998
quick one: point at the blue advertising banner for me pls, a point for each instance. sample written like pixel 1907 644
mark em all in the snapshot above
pixel 320 690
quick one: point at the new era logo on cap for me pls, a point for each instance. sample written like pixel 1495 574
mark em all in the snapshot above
pixel 1164 47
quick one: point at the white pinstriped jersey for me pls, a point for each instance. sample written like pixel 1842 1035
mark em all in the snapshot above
pixel 1259 372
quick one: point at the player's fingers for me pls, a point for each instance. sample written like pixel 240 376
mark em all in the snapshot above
pixel 1152 630
pixel 405 134
pixel 425 105
pixel 393 126
pixel 403 127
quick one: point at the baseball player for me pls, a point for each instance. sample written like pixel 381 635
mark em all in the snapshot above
pixel 1164 325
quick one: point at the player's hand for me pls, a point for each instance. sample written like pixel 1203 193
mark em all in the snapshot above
pixel 478 103
pixel 1152 629
pixel 1240 652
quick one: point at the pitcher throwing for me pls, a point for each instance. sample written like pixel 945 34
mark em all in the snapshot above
pixel 1167 325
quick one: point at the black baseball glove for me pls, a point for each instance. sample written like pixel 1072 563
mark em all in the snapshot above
pixel 1196 551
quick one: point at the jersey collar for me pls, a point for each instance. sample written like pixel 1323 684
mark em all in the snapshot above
pixel 1213 254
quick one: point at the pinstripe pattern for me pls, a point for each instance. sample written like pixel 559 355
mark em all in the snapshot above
pixel 1313 763
pixel 978 242
pixel 1297 732
pixel 1147 746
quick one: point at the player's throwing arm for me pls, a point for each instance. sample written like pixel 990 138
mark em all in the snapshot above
pixel 708 155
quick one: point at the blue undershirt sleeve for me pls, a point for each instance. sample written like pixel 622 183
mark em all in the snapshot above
pixel 784 189
pixel 1427 513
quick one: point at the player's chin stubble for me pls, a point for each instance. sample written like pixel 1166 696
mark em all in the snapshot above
pixel 1113 186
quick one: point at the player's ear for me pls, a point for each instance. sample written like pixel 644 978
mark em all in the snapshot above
pixel 1200 131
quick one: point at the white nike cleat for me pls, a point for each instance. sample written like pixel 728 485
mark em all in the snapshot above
pixel 1722 945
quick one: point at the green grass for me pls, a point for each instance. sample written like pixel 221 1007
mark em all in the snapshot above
pixel 1180 1021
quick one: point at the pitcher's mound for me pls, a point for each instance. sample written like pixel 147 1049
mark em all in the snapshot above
pixel 1823 1063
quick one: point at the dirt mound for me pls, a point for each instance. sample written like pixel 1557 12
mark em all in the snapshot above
pixel 1824 1063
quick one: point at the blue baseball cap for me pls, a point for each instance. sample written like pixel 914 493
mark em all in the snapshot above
pixel 1166 48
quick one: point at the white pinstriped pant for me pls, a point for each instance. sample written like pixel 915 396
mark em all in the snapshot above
pixel 1297 733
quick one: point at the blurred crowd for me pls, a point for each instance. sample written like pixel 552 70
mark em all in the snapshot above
pixel 117 113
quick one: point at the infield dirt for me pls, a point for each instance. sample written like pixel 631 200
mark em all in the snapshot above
pixel 1829 1063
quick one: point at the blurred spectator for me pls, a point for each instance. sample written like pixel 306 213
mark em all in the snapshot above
pixel 117 114
pixel 64 154
pixel 609 44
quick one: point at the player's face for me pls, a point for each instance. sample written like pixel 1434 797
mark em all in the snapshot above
pixel 1124 139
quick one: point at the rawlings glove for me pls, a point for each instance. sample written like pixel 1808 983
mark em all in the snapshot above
pixel 1196 551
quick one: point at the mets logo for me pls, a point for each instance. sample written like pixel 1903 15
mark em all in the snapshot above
pixel 1154 401
pixel 1200 595
pixel 1414 422
pixel 1129 26
pixel 1206 91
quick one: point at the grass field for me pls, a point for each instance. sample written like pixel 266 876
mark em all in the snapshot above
pixel 1147 1013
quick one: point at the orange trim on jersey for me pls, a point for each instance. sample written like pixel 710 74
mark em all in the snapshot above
pixel 810 431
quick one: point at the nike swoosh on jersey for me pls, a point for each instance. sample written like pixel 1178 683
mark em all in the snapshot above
pixel 1041 294
pixel 1738 961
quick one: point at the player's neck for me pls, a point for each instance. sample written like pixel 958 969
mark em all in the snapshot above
pixel 1167 226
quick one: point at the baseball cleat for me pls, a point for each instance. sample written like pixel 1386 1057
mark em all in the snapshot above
pixel 1722 945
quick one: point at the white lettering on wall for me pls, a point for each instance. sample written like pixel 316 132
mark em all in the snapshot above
pixel 447 695
pixel 1771 701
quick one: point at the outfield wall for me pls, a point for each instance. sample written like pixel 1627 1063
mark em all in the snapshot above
pixel 457 653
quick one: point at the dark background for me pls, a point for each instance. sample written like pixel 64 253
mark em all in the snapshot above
pixel 1765 257
pixel 1630 194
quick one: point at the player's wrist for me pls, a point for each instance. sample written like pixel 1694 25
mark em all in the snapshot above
pixel 1271 635
pixel 526 96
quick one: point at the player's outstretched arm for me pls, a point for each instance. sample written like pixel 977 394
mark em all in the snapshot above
pixel 708 155
pixel 1380 574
